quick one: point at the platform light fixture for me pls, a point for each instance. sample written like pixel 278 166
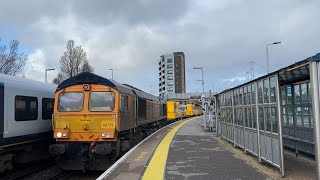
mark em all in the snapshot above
pixel 267 50
pixel 201 77
pixel 111 69
pixel 47 73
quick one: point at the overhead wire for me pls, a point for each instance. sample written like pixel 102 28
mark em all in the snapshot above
pixel 233 77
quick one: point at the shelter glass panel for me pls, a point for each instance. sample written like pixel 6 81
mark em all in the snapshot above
pixel 289 95
pixel 266 91
pixel 253 94
pixel 297 94
pixel 304 93
pixel 274 120
pixel 298 115
pixel 254 119
pixel 305 117
pixel 267 119
pixel 272 90
pixel 261 118
pixel 260 98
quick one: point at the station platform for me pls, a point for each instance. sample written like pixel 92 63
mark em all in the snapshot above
pixel 183 150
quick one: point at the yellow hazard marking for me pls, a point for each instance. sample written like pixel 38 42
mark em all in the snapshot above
pixel 141 156
pixel 157 165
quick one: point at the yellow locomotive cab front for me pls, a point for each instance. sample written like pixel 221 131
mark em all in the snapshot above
pixel 85 114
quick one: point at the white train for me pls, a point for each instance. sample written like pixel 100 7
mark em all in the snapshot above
pixel 26 108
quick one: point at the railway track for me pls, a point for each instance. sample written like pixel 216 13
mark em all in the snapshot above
pixel 27 170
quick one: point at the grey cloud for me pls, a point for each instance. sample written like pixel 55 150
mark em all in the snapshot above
pixel 222 36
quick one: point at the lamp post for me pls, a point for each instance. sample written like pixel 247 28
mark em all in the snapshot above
pixel 47 72
pixel 267 49
pixel 111 73
pixel 201 76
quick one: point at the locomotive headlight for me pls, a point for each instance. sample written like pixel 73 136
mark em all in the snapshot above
pixel 86 87
pixel 59 134
pixel 105 135
pixel 64 134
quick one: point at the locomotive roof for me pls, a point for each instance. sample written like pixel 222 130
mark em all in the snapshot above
pixel 90 78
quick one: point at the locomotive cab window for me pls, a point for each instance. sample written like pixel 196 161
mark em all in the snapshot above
pixel 70 102
pixel 26 108
pixel 47 108
pixel 101 101
pixel 124 103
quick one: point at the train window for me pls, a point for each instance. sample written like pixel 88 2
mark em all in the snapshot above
pixel 124 102
pixel 26 108
pixel 47 108
pixel 70 102
pixel 101 101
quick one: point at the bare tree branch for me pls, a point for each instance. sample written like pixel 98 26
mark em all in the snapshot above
pixel 73 62
pixel 12 61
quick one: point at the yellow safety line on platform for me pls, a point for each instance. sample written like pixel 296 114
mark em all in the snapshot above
pixel 157 165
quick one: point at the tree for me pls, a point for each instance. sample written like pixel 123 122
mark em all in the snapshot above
pixel 73 62
pixel 86 67
pixel 12 61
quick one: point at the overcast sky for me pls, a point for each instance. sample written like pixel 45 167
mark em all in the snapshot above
pixel 129 36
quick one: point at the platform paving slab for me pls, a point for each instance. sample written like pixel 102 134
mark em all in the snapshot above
pixel 196 154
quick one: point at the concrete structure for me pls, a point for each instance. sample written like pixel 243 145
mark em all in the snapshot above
pixel 172 74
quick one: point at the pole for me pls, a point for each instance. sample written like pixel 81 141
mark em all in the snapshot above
pixel 314 78
pixel 279 116
pixel 202 81
pixel 46 75
pixel 267 50
pixel 111 73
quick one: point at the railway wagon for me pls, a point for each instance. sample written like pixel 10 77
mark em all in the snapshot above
pixel 198 110
pixel 96 119
pixel 26 108
pixel 182 110
pixel 190 110
pixel 171 111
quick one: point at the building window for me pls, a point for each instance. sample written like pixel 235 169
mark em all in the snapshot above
pixel 124 103
pixel 170 78
pixel 47 108
pixel 170 72
pixel 169 66
pixel 169 60
pixel 26 108
pixel 170 83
